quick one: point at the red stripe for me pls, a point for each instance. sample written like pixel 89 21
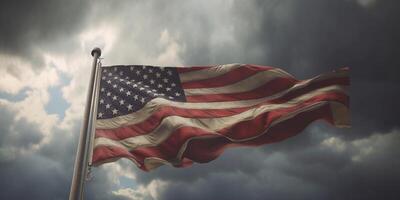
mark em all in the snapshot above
pixel 229 78
pixel 215 146
pixel 205 150
pixel 190 69
pixel 153 121
pixel 270 88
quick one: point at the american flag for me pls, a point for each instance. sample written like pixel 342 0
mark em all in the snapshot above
pixel 177 116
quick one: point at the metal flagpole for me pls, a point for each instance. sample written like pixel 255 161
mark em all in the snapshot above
pixel 81 159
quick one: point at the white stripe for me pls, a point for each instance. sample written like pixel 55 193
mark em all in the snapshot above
pixel 207 73
pixel 157 103
pixel 244 85
pixel 169 124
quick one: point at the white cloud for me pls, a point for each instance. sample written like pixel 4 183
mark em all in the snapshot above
pixel 150 191
pixel 374 145
pixel 172 49
pixel 363 149
pixel 334 143
pixel 17 73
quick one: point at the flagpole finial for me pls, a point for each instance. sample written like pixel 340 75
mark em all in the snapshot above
pixel 96 50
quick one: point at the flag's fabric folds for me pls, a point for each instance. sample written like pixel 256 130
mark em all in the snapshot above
pixel 177 116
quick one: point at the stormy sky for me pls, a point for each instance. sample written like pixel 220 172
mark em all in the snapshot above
pixel 44 73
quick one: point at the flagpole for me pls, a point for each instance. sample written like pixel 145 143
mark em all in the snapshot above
pixel 81 159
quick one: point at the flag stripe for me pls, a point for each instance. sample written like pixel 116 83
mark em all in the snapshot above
pixel 154 121
pixel 200 140
pixel 225 79
pixel 190 69
pixel 239 85
pixel 172 123
pixel 273 87
pixel 207 73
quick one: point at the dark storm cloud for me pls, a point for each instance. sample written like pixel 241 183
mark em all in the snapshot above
pixel 29 25
pixel 305 38
pixel 311 37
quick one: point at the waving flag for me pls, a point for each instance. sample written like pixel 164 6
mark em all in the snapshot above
pixel 169 115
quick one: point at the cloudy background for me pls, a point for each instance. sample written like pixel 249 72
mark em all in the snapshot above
pixel 44 72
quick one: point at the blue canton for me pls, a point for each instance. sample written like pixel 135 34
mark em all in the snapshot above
pixel 126 89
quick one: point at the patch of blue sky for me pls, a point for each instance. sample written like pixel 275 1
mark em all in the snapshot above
pixel 14 98
pixel 126 182
pixel 57 104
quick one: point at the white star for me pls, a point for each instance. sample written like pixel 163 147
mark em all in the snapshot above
pixel 129 107
pixel 101 101
pixel 177 94
pixel 127 78
pixel 150 71
pixel 114 97
pixel 110 74
pixel 108 93
pixel 121 89
pixel 168 89
pixel 100 115
pixel 115 77
pixel 108 106
pixel 128 82
pixel 171 97
pixel 159 86
pixel 145 76
pixel 143 99
pixel 122 80
pixel 115 86
pixel 146 86
pixel 165 80
pixel 158 75
pixel 102 89
pixel 148 91
pixel 136 97
pixel 115 111
pixel 109 81
pixel 115 69
pixel 121 102
pixel 154 90
pixel 169 72
pixel 103 78
pixel 151 81
pixel 141 88
pixel 128 93
pixel 134 85
pixel 173 84
pixel 104 70
pixel 121 73
pixel 137 72
pixel 131 68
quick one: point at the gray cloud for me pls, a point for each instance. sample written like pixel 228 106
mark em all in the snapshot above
pixel 27 26
pixel 305 38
